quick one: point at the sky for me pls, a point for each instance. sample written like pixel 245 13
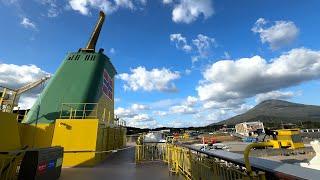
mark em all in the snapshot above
pixel 180 63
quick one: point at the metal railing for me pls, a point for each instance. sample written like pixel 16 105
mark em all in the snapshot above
pixel 193 164
pixel 79 110
pixel 89 111
pixel 7 98
pixel 196 164
pixel 151 152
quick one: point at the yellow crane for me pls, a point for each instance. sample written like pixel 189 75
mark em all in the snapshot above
pixel 9 97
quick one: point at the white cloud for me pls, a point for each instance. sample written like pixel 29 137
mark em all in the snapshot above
pixel 27 23
pixel 282 33
pixel 165 103
pixel 203 44
pixel 15 76
pixel 274 95
pixel 108 6
pixel 187 11
pixel 137 107
pixel 167 1
pixel 160 113
pixel 180 42
pixel 215 116
pixel 186 107
pixel 135 118
pixel 112 51
pixel 229 104
pixel 178 123
pixel 142 117
pixel 155 79
pixel 10 2
pixel 124 113
pixel 187 71
pixel 26 101
pixel 226 55
pixel 143 124
pixel 52 7
pixel 246 77
pixel 130 112
pixel 142 121
pixel 242 109
pixel 191 101
pixel 117 99
pixel 182 109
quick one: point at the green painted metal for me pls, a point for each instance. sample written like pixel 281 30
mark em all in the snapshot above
pixel 78 80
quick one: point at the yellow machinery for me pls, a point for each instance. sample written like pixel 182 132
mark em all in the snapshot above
pixel 186 136
pixel 9 97
pixel 286 138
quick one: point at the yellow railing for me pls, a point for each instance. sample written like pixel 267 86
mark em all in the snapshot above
pixel 79 110
pixel 89 111
pixel 10 165
pixel 151 152
pixel 192 164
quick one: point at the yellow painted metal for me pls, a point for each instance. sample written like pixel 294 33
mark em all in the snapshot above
pixel 9 165
pixel 82 139
pixel 186 136
pixel 9 139
pixel 39 135
pixel 193 165
pixel 87 134
pixel 9 143
pixel 246 153
pixel 288 138
pixel 78 137
pixel 75 134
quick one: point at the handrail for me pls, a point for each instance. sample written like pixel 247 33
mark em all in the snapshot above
pixel 89 110
pixel 271 168
pixel 72 110
pixel 247 152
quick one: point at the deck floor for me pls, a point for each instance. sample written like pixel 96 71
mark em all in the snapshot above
pixel 121 166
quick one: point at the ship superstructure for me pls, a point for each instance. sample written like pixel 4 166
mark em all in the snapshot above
pixel 75 110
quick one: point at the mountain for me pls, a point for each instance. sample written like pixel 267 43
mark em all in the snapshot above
pixel 277 111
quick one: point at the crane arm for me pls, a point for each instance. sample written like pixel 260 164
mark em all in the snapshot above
pixel 31 85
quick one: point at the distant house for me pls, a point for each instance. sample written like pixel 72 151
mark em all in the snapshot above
pixel 250 128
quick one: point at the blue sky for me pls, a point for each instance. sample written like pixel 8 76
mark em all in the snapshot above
pixel 180 62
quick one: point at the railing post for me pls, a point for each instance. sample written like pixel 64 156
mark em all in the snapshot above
pixel 109 118
pixel 84 111
pixel 70 114
pixel 104 115
pixel 75 114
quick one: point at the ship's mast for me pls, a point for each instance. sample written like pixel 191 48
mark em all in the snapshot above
pixel 91 45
